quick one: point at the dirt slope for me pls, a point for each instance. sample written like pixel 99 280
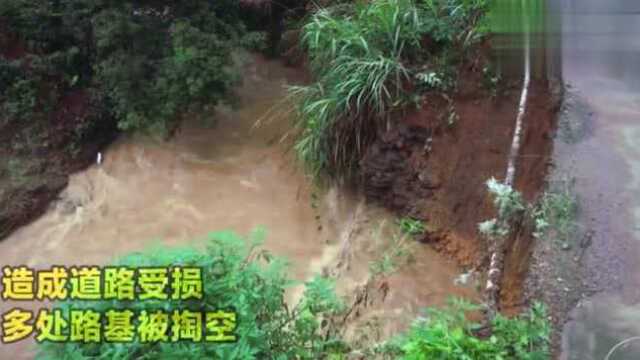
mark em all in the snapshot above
pixel 427 168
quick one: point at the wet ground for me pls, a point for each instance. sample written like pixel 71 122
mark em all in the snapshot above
pixel 225 175
pixel 598 146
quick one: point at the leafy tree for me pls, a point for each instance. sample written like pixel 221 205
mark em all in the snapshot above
pixel 18 92
pixel 150 60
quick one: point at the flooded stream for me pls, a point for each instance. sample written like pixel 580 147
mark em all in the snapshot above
pixel 223 175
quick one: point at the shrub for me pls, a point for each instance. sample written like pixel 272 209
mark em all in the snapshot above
pixel 556 212
pixel 10 72
pixel 454 20
pixel 236 274
pixel 20 101
pixel 448 334
pixel 196 70
pixel 18 92
pixel 151 61
pixel 151 72
pixel 254 40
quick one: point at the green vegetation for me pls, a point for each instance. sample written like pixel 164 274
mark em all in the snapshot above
pixel 145 63
pixel 18 92
pixel 194 69
pixel 411 227
pixel 74 72
pixel 365 57
pixel 255 40
pixel 556 212
pixel 509 204
pixel 448 334
pixel 394 254
pixel 138 67
pixel 236 274
pixel 553 214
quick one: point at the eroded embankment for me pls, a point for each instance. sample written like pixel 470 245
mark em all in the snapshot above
pixel 532 167
pixel 430 169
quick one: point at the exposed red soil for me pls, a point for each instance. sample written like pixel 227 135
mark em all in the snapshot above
pixel 533 165
pixel 446 185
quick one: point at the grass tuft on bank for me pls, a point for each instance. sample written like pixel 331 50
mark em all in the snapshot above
pixel 366 58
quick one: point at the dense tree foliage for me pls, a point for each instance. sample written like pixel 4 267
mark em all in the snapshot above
pixel 145 62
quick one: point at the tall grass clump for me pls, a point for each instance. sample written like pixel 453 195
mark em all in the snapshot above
pixel 357 54
pixel 364 58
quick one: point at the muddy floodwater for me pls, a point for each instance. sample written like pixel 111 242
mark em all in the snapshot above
pixel 601 59
pixel 218 175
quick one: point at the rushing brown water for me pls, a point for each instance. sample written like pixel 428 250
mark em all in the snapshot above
pixel 224 176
